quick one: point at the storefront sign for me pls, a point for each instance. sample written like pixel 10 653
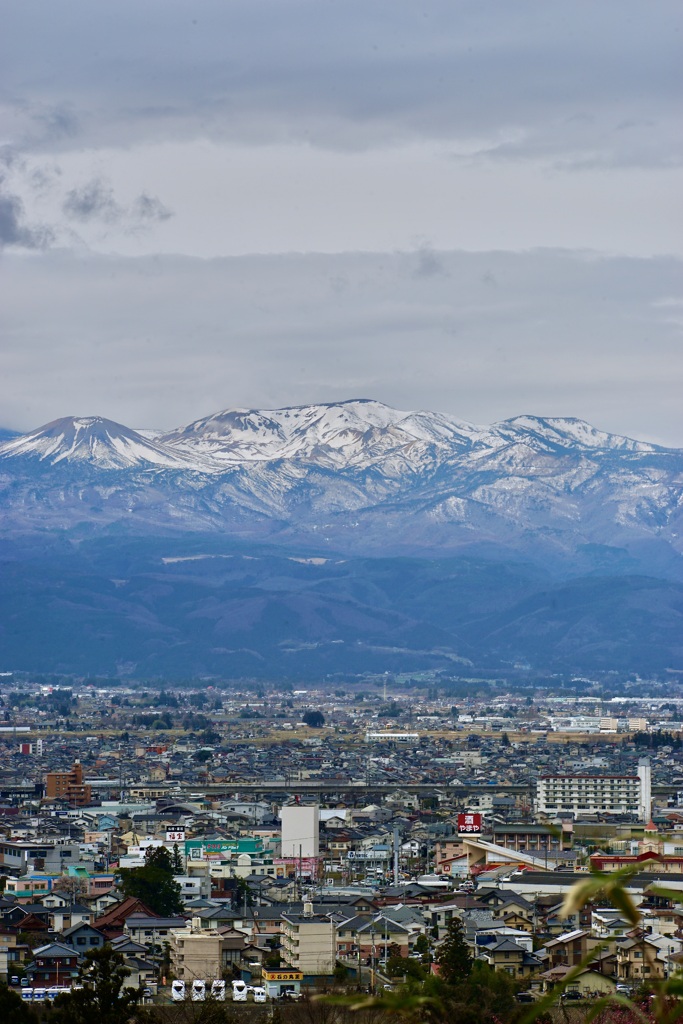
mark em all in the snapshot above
pixel 469 823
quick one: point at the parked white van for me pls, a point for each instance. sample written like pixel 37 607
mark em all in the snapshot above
pixel 218 990
pixel 259 994
pixel 239 992
pixel 178 991
pixel 198 991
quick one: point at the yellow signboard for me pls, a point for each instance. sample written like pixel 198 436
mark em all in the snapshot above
pixel 282 975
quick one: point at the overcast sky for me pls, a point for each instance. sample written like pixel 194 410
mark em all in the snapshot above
pixel 468 206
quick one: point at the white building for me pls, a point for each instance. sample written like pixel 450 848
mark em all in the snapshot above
pixel 308 942
pixel 593 794
pixel 300 828
pixel 392 737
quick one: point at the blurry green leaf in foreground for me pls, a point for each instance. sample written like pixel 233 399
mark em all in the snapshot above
pixel 611 884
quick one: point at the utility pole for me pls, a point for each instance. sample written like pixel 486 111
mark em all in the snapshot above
pixel 396 842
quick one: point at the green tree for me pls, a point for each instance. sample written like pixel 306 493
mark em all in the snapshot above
pixel 484 995
pixel 403 967
pixel 12 1007
pixel 154 883
pixel 422 946
pixel 177 861
pixel 454 958
pixel 103 998
pixel 314 719
pixel 241 895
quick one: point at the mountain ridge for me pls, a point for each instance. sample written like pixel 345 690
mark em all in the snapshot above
pixel 344 536
pixel 267 434
pixel 356 476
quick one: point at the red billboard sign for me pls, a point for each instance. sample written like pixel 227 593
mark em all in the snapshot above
pixel 469 823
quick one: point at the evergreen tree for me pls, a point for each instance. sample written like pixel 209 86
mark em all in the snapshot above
pixel 13 1008
pixel 177 861
pixel 103 998
pixel 241 895
pixel 485 995
pixel 454 957
pixel 154 883
pixel 422 946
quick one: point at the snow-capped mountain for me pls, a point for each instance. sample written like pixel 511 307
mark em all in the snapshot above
pixel 358 473
pixel 358 433
pixel 89 439
pixel 364 433
pixel 338 537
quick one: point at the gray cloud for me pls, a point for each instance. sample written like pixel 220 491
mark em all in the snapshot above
pixel 161 340
pixel 428 263
pixel 14 231
pixel 584 83
pixel 147 209
pixel 93 201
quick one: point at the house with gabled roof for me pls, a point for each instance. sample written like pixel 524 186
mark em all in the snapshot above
pixel 507 955
pixel 113 921
pixel 588 982
pixel 53 964
pixel 83 937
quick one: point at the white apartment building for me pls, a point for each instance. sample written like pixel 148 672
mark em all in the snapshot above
pixel 204 953
pixel 300 829
pixel 308 942
pixel 593 794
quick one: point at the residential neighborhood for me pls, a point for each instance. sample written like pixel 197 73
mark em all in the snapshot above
pixel 207 839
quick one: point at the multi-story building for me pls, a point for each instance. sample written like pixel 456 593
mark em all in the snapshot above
pixel 150 930
pixel 21 857
pixel 640 959
pixel 204 953
pixel 532 838
pixel 68 786
pixel 596 794
pixel 53 964
pixel 506 955
pixel 308 942
pixel 300 831
pixel 637 724
pixel 374 938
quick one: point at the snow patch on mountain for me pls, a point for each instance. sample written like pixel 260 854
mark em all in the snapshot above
pixel 569 432
pixel 90 439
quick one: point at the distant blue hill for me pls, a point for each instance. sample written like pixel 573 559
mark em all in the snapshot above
pixel 341 538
